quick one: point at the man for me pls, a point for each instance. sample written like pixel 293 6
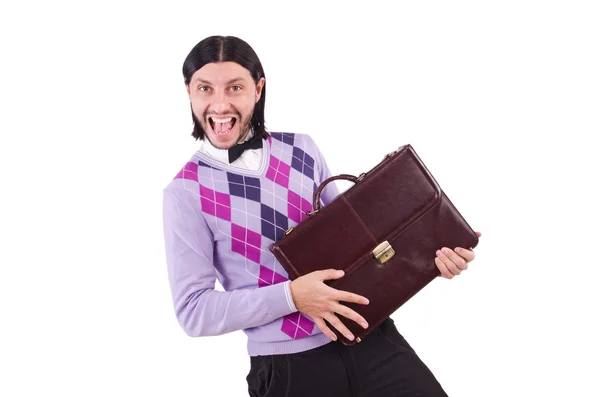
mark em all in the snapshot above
pixel 236 196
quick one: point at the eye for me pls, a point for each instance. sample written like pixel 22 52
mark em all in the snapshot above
pixel 203 88
pixel 236 88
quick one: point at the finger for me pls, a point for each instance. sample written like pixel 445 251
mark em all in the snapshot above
pixel 466 254
pixel 449 264
pixel 458 260
pixel 324 328
pixel 345 296
pixel 335 322
pixel 329 274
pixel 443 269
pixel 350 314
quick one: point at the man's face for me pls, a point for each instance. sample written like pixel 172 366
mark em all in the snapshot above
pixel 223 96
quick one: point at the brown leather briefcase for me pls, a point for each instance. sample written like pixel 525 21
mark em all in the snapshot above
pixel 383 232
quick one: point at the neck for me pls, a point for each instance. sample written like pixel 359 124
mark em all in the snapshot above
pixel 246 136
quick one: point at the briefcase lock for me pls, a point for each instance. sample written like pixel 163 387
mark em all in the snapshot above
pixel 383 252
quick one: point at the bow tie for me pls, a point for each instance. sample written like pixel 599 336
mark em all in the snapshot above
pixel 253 143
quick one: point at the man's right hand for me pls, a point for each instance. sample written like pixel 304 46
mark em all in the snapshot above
pixel 320 302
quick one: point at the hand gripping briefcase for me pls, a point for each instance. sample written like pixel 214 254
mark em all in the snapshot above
pixel 383 232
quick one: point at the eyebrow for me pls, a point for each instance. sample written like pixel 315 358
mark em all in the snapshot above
pixel 229 82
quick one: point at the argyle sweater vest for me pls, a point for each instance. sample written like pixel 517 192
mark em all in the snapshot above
pixel 219 222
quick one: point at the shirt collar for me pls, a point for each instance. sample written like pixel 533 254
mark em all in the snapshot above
pixel 221 155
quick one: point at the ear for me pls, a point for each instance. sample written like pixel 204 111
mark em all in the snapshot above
pixel 259 88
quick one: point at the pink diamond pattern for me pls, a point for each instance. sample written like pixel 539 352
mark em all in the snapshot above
pixel 297 207
pixel 279 172
pixel 269 277
pixel 207 200
pixel 238 246
pixel 189 171
pixel 297 326
pixel 223 201
pixel 215 203
pixel 245 242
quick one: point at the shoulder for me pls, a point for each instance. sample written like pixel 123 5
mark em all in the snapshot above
pixel 300 141
pixel 184 186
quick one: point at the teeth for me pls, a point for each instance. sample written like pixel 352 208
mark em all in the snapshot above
pixel 221 120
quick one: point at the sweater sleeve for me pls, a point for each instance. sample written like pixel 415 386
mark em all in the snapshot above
pixel 331 191
pixel 199 308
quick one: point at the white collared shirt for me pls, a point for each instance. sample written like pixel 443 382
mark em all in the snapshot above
pixel 250 159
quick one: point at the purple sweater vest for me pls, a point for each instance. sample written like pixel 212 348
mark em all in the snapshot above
pixel 219 222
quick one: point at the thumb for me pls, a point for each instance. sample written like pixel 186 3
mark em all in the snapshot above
pixel 331 274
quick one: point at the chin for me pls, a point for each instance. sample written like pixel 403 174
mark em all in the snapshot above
pixel 224 142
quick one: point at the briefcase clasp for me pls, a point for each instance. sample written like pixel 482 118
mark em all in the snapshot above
pixel 384 252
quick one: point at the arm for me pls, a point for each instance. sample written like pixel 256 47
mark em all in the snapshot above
pixel 322 171
pixel 200 309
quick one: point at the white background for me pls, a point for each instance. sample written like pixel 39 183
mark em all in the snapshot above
pixel 500 99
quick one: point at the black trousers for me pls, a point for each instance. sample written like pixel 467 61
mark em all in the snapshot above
pixel 382 365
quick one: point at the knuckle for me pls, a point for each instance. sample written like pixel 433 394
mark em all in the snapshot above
pixel 333 320
pixel 328 332
pixel 350 314
pixel 342 328
pixel 443 270
pixel 342 297
pixel 339 325
pixel 354 316
pixel 341 309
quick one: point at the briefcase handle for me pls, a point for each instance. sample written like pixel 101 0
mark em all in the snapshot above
pixel 351 178
pixel 437 195
pixel 317 195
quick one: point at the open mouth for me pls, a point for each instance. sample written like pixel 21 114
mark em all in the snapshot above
pixel 222 125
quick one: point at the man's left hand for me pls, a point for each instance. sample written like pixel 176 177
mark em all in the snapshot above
pixel 452 262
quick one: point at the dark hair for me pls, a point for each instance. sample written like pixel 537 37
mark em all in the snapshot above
pixel 227 49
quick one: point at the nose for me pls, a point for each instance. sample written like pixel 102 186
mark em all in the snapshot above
pixel 220 103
